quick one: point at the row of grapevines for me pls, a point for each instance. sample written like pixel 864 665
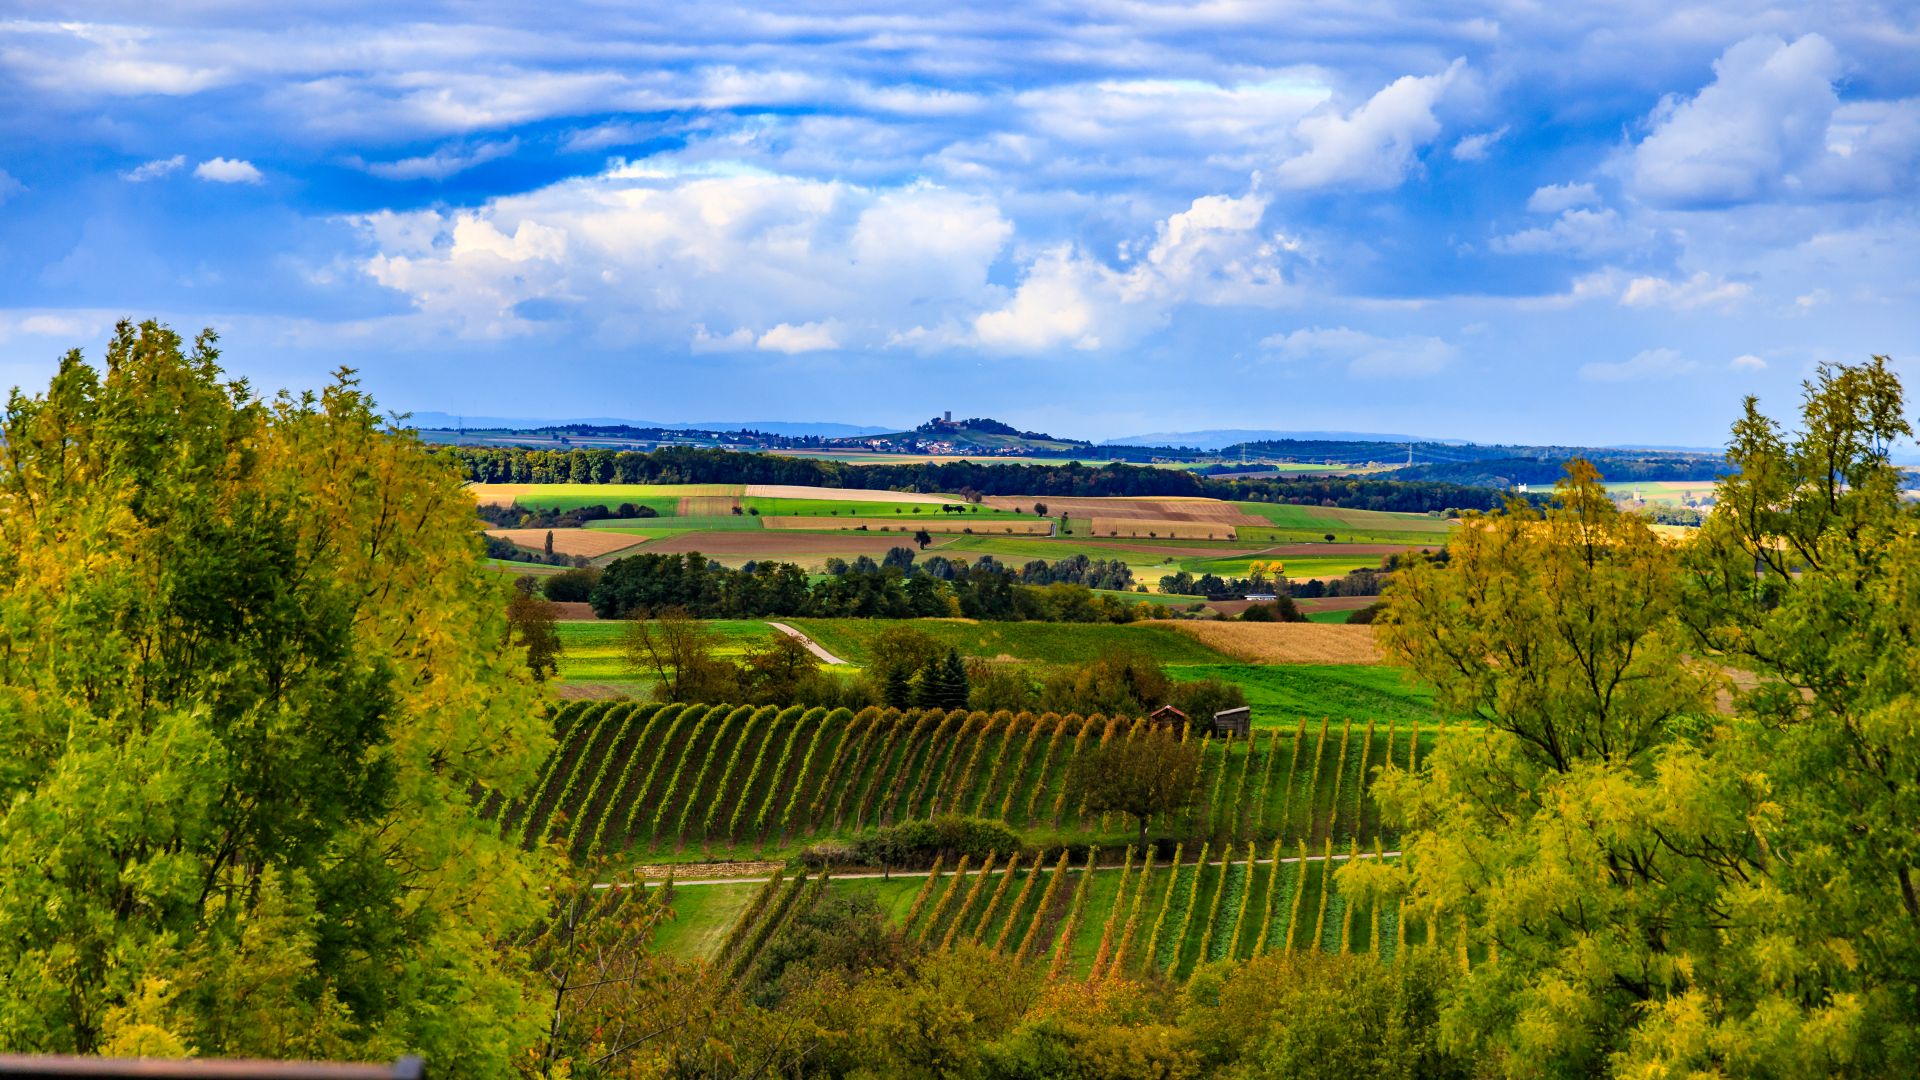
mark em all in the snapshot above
pixel 625 790
pixel 1063 940
pixel 561 773
pixel 793 724
pixel 753 774
pixel 1042 911
pixel 1104 952
pixel 745 715
pixel 619 751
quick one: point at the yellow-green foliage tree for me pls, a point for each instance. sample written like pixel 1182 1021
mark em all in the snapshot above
pixel 249 679
pixel 1652 886
pixel 1555 631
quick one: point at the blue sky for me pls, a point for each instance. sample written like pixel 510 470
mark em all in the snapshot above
pixel 1600 223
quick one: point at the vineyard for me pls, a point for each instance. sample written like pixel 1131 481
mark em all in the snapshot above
pixel 1136 919
pixel 648 781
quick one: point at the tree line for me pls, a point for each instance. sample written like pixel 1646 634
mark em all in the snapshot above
pixel 897 587
pixel 696 465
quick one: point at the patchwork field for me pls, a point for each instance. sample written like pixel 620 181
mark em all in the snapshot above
pixel 1153 536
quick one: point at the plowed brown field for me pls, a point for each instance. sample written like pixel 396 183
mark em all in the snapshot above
pixel 591 543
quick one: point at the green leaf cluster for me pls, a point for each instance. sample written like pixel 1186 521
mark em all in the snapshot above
pixel 250 684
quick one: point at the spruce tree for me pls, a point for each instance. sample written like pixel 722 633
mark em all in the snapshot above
pixel 898 690
pixel 953 682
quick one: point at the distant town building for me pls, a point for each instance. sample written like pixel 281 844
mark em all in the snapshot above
pixel 1259 596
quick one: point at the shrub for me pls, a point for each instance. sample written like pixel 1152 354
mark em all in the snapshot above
pixel 571 586
pixel 950 836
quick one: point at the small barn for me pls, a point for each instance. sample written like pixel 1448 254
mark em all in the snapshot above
pixel 1233 722
pixel 1169 716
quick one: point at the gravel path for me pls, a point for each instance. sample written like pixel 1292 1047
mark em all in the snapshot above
pixel 812 645
pixel 1342 857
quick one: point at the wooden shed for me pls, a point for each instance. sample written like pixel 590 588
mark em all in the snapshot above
pixel 1233 722
pixel 1168 715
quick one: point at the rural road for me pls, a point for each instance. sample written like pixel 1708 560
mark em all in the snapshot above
pixel 812 645
pixel 677 883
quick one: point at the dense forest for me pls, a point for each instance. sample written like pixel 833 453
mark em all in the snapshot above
pixel 689 465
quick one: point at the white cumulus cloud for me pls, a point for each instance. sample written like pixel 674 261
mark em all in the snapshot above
pixel 1365 355
pixel 1647 365
pixel 227 171
pixel 1580 232
pixel 1374 145
pixel 1747 362
pixel 442 163
pixel 1700 290
pixel 1476 147
pixel 155 169
pixel 1771 125
pixel 1554 198
pixel 1211 253
pixel 804 338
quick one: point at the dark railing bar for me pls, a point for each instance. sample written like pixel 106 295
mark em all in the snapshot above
pixel 55 1067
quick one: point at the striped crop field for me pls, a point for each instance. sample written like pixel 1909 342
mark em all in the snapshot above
pixel 632 782
pixel 1142 914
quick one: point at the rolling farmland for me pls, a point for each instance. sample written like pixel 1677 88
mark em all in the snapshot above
pixel 1154 536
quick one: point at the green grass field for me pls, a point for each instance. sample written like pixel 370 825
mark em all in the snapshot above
pixel 1282 693
pixel 690 523
pixel 591 651
pixel 662 498
pixel 702 916
pixel 1297 567
pixel 1057 643
pixel 1348 526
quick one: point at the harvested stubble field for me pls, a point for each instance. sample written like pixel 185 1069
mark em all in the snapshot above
pixel 1286 643
pixel 1159 509
pixel 1168 528
pixel 590 543
pixel 796 491
pixel 996 526
pixel 707 505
